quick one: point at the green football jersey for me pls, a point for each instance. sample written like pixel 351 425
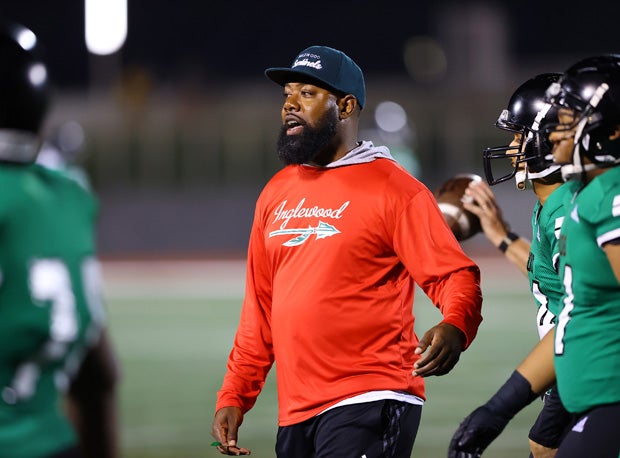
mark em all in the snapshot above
pixel 587 337
pixel 50 304
pixel 542 264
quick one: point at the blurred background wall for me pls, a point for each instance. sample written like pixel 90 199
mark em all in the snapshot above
pixel 180 123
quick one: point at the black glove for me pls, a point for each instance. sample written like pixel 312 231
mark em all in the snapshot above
pixel 476 433
pixel 484 424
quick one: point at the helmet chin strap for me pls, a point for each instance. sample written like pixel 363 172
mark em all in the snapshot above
pixel 543 173
pixel 570 170
pixel 577 167
pixel 521 178
pixel 18 146
pixel 524 177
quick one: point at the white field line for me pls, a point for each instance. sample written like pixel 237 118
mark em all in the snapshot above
pixel 169 279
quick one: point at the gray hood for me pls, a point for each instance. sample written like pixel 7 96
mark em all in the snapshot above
pixel 365 152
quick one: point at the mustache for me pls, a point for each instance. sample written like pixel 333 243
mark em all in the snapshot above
pixel 312 141
pixel 294 118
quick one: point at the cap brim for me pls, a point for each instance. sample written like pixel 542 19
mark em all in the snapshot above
pixel 283 75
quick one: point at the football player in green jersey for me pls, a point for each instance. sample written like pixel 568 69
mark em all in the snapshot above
pixel 528 159
pixel 58 372
pixel 587 344
pixel 583 354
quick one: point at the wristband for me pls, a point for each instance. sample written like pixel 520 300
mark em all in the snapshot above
pixel 510 237
pixel 512 397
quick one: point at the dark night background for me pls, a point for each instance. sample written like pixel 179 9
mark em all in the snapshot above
pixel 238 39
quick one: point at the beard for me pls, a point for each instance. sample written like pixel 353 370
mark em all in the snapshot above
pixel 311 143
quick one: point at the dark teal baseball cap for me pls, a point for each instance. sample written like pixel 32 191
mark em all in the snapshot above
pixel 325 67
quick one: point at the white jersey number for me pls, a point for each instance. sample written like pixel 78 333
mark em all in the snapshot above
pixel 565 317
pixel 50 285
pixel 545 320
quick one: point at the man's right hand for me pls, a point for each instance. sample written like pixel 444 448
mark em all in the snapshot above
pixel 224 429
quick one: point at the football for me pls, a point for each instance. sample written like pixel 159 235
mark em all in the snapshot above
pixel 463 223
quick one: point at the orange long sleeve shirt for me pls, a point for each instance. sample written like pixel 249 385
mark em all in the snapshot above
pixel 333 258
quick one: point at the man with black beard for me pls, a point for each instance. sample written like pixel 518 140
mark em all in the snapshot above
pixel 341 236
pixel 304 147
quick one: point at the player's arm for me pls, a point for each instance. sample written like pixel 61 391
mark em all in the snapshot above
pixel 532 377
pixel 537 368
pixel 92 401
pixel 612 250
pixel 481 202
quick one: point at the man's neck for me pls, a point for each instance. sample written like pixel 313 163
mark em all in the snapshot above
pixel 543 190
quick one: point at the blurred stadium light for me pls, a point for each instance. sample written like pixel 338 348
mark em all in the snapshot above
pixel 393 130
pixel 425 59
pixel 27 39
pixel 105 25
pixel 390 116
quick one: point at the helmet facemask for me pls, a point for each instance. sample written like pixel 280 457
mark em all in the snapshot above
pixel 527 114
pixel 531 159
pixel 506 157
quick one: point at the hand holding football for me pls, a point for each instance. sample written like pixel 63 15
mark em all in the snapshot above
pixel 463 223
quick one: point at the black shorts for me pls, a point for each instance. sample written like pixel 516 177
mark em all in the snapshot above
pixel 595 433
pixel 553 421
pixel 378 429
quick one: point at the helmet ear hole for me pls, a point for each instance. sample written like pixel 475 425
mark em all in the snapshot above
pixel 607 130
pixel 608 142
pixel 615 135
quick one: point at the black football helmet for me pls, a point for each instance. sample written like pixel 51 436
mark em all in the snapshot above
pixel 528 114
pixel 591 89
pixel 24 94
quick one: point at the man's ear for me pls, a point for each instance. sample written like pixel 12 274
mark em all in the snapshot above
pixel 347 105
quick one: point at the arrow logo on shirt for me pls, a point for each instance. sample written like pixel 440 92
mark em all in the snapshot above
pixel 322 230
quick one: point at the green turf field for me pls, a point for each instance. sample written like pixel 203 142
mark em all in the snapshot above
pixel 173 325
